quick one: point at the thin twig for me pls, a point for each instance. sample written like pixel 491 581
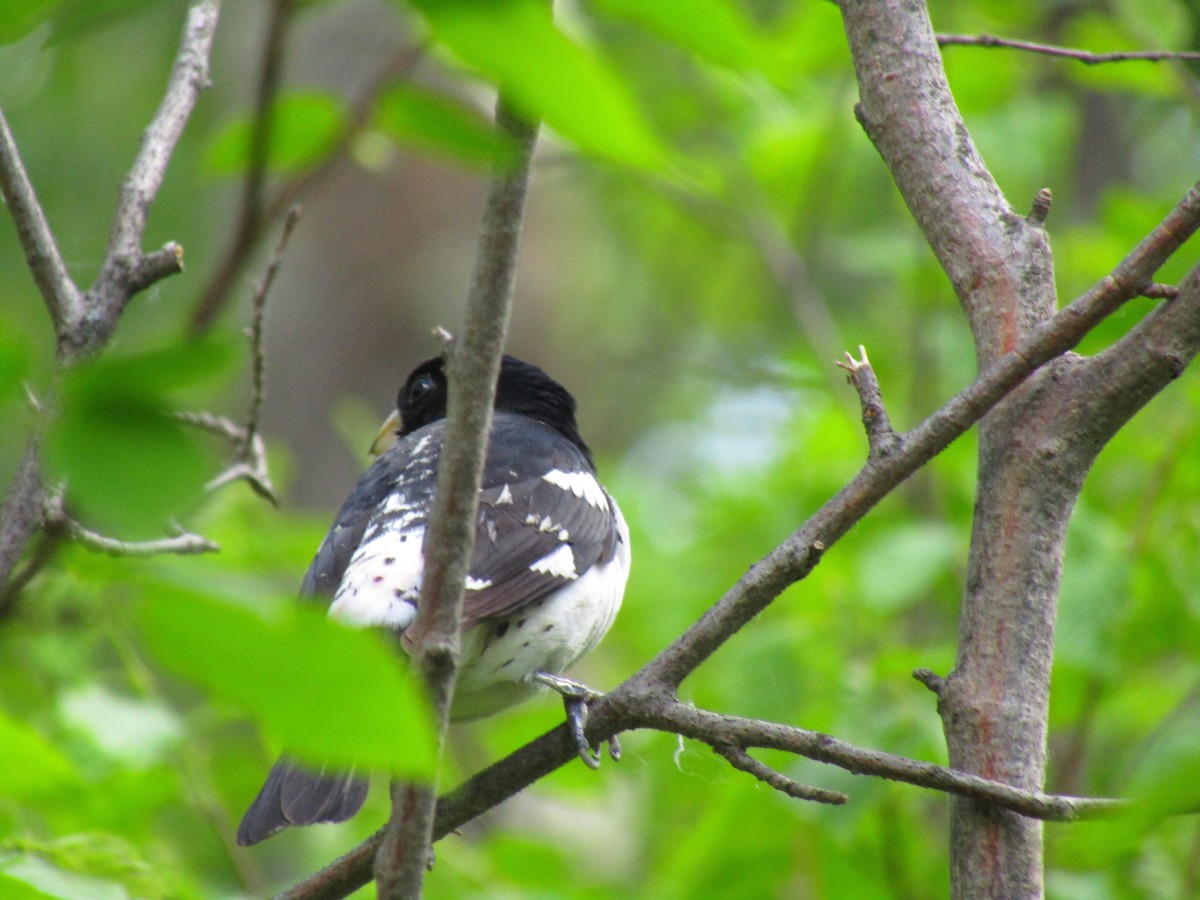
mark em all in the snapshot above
pixel 742 761
pixel 258 356
pixel 217 292
pixel 1084 56
pixel 880 436
pixel 251 219
pixel 252 469
pixel 183 543
pixel 474 366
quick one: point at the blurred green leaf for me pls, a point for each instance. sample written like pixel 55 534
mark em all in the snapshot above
pixel 548 76
pixel 81 18
pixel 324 691
pixel 19 17
pixel 18 889
pixel 712 29
pixel 128 464
pixel 305 125
pixel 903 562
pixel 29 765
pixel 45 880
pixel 414 115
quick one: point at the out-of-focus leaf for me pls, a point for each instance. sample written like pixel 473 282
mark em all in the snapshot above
pixel 29 765
pixel 516 44
pixel 712 29
pixel 14 363
pixel 304 127
pixel 91 864
pixel 136 732
pixel 80 18
pixel 18 889
pixel 324 691
pixel 413 115
pixel 128 464
pixel 46 880
pixel 19 17
pixel 904 561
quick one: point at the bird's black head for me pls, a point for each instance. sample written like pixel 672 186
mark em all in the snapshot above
pixel 523 389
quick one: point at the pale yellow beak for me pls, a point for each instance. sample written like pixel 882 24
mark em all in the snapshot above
pixel 389 433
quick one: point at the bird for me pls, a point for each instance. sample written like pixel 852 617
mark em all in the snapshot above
pixel 546 577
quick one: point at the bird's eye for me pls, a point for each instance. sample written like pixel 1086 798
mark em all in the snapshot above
pixel 421 388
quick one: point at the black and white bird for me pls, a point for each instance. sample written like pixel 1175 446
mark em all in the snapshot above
pixel 546 577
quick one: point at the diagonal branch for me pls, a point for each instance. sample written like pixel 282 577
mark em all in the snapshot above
pixel 626 706
pixel 124 270
pixel 63 298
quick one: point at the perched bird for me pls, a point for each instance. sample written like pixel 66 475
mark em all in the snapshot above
pixel 546 578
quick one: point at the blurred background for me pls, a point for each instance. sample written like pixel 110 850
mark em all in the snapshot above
pixel 692 283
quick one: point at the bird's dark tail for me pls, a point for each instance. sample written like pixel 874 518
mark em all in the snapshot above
pixel 295 796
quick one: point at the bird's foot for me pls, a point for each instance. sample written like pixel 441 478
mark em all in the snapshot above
pixel 576 698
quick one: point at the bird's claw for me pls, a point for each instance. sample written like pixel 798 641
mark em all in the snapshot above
pixel 576 698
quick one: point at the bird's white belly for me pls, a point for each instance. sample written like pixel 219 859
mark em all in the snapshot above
pixel 499 656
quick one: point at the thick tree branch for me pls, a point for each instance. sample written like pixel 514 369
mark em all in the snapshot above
pixel 1035 449
pixel 992 255
pixel 1084 56
pixel 473 366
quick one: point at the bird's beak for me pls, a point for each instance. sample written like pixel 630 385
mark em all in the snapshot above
pixel 388 434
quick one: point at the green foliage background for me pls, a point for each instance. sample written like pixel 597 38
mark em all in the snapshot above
pixel 694 146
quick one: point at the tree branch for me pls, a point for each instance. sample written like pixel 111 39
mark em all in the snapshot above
pixel 250 217
pixel 125 269
pixel 791 561
pixel 991 254
pixel 473 367
pixel 84 323
pixel 1084 56
pixel 63 298
pixel 742 761
pixel 878 426
pixel 217 291
pixel 184 543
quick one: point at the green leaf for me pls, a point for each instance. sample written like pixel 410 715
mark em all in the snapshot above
pixel 713 29
pixel 516 44
pixel 82 18
pixel 413 115
pixel 905 561
pixel 128 464
pixel 305 125
pixel 326 692
pixel 19 17
pixel 29 765
pixel 37 878
pixel 16 889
